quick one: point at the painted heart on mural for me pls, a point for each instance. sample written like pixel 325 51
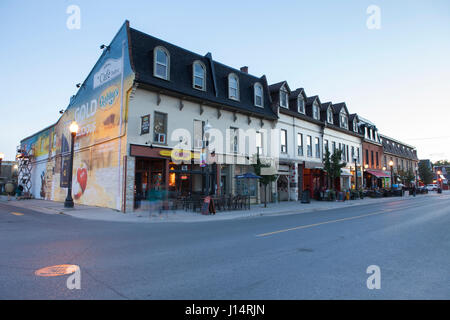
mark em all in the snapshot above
pixel 82 178
pixel 81 182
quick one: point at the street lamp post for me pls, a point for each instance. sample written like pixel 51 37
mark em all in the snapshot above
pixel 207 128
pixel 73 132
pixel 391 164
pixel 1 159
pixel 366 166
pixel 417 178
pixel 356 174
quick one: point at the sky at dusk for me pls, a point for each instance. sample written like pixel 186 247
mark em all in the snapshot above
pixel 397 77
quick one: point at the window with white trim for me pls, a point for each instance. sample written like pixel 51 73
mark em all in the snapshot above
pixel 259 95
pixel 233 86
pixel 199 76
pixel 234 139
pixel 259 143
pixel 330 115
pixel 309 146
pixel 316 112
pixel 317 143
pixel 300 104
pixel 325 146
pixel 161 65
pixel 343 120
pixel 300 144
pixel 283 97
pixel 283 141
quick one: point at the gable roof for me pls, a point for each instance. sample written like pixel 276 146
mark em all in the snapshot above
pixel 296 93
pixel 277 86
pixel 325 106
pixel 181 60
pixel 309 103
pixel 337 107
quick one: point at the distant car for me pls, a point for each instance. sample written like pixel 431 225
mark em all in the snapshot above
pixel 432 187
pixel 422 190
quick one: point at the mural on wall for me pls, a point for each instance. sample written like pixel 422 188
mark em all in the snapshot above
pixel 99 110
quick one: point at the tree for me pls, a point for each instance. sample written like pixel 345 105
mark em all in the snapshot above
pixel 333 166
pixel 406 176
pixel 425 173
pixel 441 163
pixel 265 179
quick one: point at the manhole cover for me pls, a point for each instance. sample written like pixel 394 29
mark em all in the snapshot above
pixel 56 271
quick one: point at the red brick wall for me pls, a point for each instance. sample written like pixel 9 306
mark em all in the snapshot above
pixel 369 148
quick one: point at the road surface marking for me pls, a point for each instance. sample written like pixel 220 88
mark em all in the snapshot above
pixel 17 213
pixel 387 210
pixel 56 271
pixel 321 223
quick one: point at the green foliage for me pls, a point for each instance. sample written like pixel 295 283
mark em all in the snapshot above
pixel 265 179
pixel 333 165
pixel 441 163
pixel 425 173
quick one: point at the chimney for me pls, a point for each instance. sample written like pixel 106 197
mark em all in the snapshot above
pixel 244 69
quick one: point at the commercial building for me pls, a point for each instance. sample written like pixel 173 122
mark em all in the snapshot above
pixel 142 113
pixel 375 171
pixel 341 133
pixel 156 117
pixel 404 160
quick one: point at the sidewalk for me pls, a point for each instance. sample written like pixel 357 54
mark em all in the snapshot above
pixel 283 208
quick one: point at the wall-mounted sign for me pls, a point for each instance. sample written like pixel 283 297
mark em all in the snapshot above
pixel 111 69
pixel 65 168
pixel 145 124
pixel 178 154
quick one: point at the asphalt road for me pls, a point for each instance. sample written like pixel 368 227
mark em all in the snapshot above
pixel 321 255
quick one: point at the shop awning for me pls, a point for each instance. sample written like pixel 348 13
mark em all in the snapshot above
pixel 346 172
pixel 378 173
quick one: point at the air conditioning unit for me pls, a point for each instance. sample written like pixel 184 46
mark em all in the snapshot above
pixel 162 138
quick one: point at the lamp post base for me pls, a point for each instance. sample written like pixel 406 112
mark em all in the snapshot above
pixel 68 203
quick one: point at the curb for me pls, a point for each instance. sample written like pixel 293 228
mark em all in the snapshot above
pixel 350 203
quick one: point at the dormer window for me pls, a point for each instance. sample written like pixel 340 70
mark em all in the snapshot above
pixel 343 120
pixel 233 87
pixel 330 115
pixel 316 112
pixel 259 95
pixel 283 97
pixel 199 76
pixel 355 125
pixel 301 104
pixel 161 64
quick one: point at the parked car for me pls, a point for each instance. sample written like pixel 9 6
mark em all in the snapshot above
pixel 432 187
pixel 422 190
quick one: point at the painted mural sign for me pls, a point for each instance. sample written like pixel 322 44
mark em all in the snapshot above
pixel 98 109
pixel 111 69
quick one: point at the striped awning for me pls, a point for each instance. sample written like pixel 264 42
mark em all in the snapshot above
pixel 378 173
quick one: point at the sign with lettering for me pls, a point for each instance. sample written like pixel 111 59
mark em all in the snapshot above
pixel 111 69
pixel 145 124
pixel 65 167
pixel 208 206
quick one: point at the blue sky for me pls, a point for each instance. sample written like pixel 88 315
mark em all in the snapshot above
pixel 397 76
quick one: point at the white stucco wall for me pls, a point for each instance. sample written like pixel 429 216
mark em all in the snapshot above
pixel 144 102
